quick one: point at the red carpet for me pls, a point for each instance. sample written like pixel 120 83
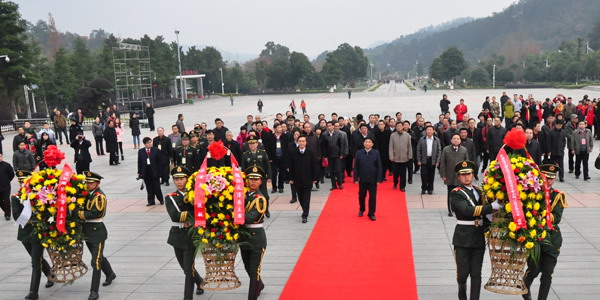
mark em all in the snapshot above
pixel 347 257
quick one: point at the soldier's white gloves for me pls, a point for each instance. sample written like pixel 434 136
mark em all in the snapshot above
pixel 496 205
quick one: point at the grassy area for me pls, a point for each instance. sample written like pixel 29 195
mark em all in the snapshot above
pixel 574 86
pixel 374 88
pixel 410 86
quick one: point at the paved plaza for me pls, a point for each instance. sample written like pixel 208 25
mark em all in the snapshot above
pixel 146 266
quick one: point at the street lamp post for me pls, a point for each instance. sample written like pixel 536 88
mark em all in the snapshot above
pixel 494 77
pixel 180 73
pixel 372 72
pixel 222 83
pixel 6 59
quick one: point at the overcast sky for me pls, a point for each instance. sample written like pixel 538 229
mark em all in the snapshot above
pixel 244 26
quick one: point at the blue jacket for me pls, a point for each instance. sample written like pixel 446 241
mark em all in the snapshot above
pixel 367 166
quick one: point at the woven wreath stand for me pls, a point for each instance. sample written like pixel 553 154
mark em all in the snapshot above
pixel 67 265
pixel 508 269
pixel 220 270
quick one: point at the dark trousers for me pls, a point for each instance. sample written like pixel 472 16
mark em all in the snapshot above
pixel 597 131
pixel 427 175
pixel 571 161
pixel 5 202
pixel 60 132
pixel 185 258
pixel 450 188
pixel 485 158
pixel 400 172
pixel 38 264
pixel 410 168
pixel 348 159
pixel 279 173
pixel 363 188
pixel 335 170
pixel 545 266
pixel 99 145
pixel 252 260
pixel 164 170
pixel 304 199
pixel 416 166
pixel 385 166
pixel 121 149
pixel 294 192
pixel 99 264
pixel 468 263
pixel 82 166
pixel 559 160
pixel 151 123
pixel 582 157
pixel 113 158
pixel 152 187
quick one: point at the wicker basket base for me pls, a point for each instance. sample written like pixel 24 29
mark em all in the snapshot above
pixel 220 270
pixel 67 265
pixel 507 269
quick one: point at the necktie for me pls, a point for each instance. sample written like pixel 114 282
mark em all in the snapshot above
pixel 456 149
pixel 148 152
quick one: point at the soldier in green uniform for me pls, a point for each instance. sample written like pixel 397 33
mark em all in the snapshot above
pixel 201 146
pixel 32 243
pixel 185 155
pixel 471 209
pixel 549 253
pixel 258 157
pixel 182 216
pixel 95 233
pixel 253 249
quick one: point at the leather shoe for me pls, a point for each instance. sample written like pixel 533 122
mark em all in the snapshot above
pixel 587 178
pixel 162 202
pixel 199 291
pixel 167 183
pixel 304 220
pixel 450 214
pixel 576 177
pixel 422 192
pixel 372 218
pixel 7 218
pixel 109 279
pixel 150 204
pixel 409 181
pixel 332 188
pixel 32 296
pixel 342 187
pixel 293 200
pixel 273 191
pixel 93 296
pixel 360 213
pixel 280 190
pixel 49 284
pixel 395 186
pixel 402 189
pixel 562 180
pixel 268 214
pixel 430 192
pixel 570 171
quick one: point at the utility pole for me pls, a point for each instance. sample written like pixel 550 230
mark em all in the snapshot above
pixel 494 77
pixel 183 92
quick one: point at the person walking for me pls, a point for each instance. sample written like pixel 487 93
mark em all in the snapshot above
pixel 259 104
pixel 279 162
pixel 7 173
pixel 98 132
pixel 23 159
pixel 460 110
pixel 471 208
pixel 179 123
pixel 83 159
pixel 400 154
pixel 445 104
pixel 303 106
pixel 150 115
pixel 231 99
pixel 332 150
pixel 451 156
pixel 112 146
pixel 429 152
pixel 163 144
pixel 149 169
pixel 582 145
pixel 120 134
pixel 557 141
pixel 293 107
pixel 495 138
pixel 134 124
pixel 60 122
pixel 303 173
pixel 367 174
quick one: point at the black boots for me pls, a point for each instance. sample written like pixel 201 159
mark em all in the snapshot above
pixel 255 288
pixel 544 291
pixel 109 279
pixel 93 296
pixel 462 291
pixel 34 285
pixel 96 276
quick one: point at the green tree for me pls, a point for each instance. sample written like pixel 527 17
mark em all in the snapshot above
pixel 436 70
pixel 595 36
pixel 504 75
pixel 82 64
pixel 301 68
pixel 333 72
pixel 62 85
pixel 479 77
pixel 104 59
pixel 351 61
pixel 453 63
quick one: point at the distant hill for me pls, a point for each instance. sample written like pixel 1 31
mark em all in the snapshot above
pixel 529 26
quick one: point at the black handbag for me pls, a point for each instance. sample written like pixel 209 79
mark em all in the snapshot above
pixel 597 162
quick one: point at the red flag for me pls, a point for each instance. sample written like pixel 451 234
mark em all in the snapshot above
pixel 61 203
pixel 511 189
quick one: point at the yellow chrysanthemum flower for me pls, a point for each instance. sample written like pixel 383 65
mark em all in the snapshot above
pixel 532 233
pixel 529 245
pixel 52 210
pixel 520 187
pixel 528 214
pixel 532 222
pixel 544 212
pixel 72 206
pixel 512 235
pixel 490 180
pixel 543 234
pixel 512 226
pixel 529 205
pixel 539 197
pixel 72 224
pixel 536 206
pixel 204 241
pixel 212 234
pixel 500 195
pixel 490 194
pixel 535 172
pixel 507 207
pixel 71 243
pixel 523 196
pixel 531 195
pixel 201 230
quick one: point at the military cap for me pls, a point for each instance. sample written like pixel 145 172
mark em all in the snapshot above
pixel 185 136
pixel 179 172
pixel 193 134
pixel 549 170
pixel 21 175
pixel 92 177
pixel 255 172
pixel 252 139
pixel 465 167
pixel 291 118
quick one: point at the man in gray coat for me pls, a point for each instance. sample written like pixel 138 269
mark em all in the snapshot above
pixel 452 155
pixel 429 152
pixel 582 144
pixel 400 152
pixel 333 149
pixel 23 159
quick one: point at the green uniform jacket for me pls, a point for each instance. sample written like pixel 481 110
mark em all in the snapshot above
pixel 258 158
pixel 469 235
pixel 179 212
pixel 559 203
pixel 24 234
pixel 94 210
pixel 191 158
pixel 256 205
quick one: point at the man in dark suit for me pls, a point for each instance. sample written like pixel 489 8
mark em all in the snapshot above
pixel 149 170
pixel 332 149
pixel 359 136
pixel 533 147
pixel 165 147
pixel 82 153
pixel 7 173
pixel 303 173
pixel 367 174
pixel 278 166
pixel 234 147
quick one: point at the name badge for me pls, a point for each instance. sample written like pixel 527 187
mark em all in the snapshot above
pixel 278 144
pixel 174 145
pixel 159 147
pixel 183 160
pixel 260 141
pixel 583 141
pixel 148 160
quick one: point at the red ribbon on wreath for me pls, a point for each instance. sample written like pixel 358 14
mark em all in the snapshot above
pixel 61 203
pixel 511 189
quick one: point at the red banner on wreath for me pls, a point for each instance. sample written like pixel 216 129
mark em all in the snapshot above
pixel 61 203
pixel 239 215
pixel 511 189
pixel 548 204
pixel 199 194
